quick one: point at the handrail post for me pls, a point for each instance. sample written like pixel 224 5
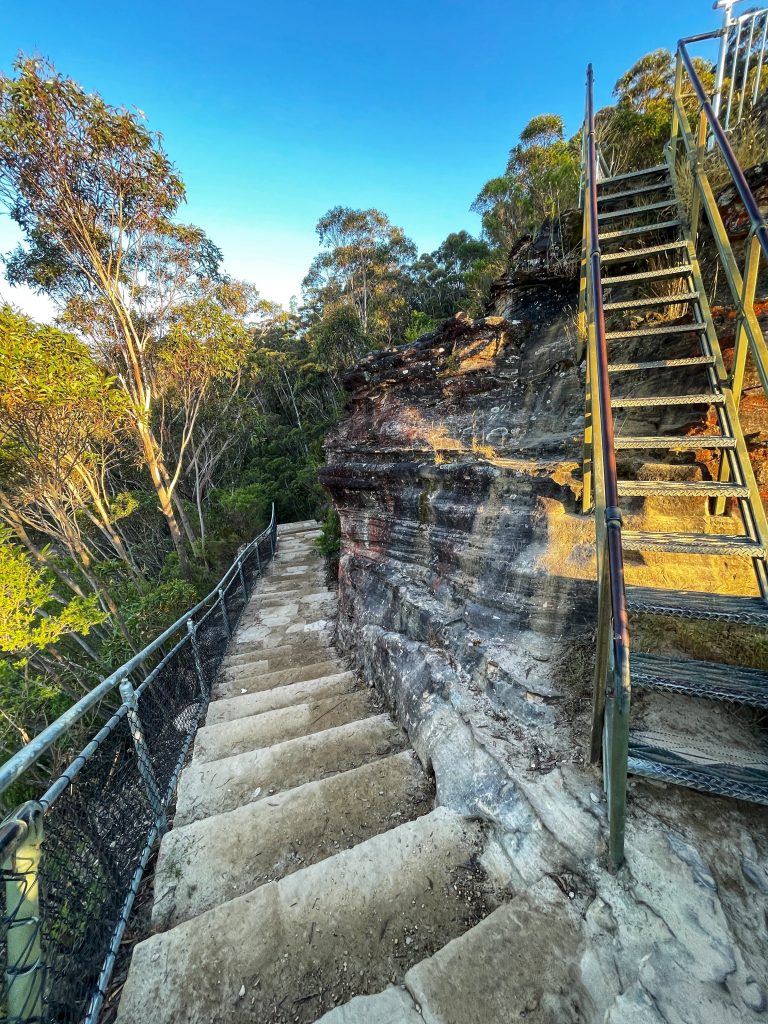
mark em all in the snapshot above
pixel 224 615
pixel 192 630
pixel 242 578
pixel 25 970
pixel 146 770
pixel 720 73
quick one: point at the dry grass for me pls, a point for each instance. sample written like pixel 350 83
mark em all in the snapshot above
pixel 724 642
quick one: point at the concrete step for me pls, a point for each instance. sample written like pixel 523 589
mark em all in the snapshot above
pixel 287 950
pixel 279 631
pixel 516 963
pixel 318 687
pixel 299 603
pixel 226 739
pixel 223 785
pixel 209 862
pixel 300 594
pixel 242 680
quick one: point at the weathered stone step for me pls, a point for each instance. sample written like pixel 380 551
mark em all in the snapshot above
pixel 226 739
pixel 277 658
pixel 206 789
pixel 286 950
pixel 241 680
pixel 304 595
pixel 209 862
pixel 516 963
pixel 307 525
pixel 278 630
pixel 327 682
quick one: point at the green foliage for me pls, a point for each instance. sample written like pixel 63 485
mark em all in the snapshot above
pixel 30 619
pixel 541 181
pixel 329 542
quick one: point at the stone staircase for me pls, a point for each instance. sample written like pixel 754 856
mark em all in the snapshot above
pixel 307 866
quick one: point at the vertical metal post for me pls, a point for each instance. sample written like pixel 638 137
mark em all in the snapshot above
pixel 242 579
pixel 25 970
pixel 224 615
pixel 726 6
pixel 146 771
pixel 701 144
pixel 192 630
pixel 746 306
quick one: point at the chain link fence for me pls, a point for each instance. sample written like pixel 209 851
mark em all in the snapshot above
pixel 72 861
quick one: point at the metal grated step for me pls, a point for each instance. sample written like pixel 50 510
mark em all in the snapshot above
pixel 608 236
pixel 652 763
pixel 678 443
pixel 658 186
pixel 652 300
pixel 681 270
pixel 651 400
pixel 636 211
pixel 681 489
pixel 706 679
pixel 648 250
pixel 692 604
pixel 662 364
pixel 657 332
pixel 628 175
pixel 692 544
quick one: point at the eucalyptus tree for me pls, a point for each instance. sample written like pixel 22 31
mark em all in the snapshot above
pixel 61 422
pixel 95 196
pixel 361 268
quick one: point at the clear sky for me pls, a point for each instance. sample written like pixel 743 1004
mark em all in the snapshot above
pixel 276 111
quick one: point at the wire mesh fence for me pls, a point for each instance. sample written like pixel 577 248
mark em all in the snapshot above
pixel 72 860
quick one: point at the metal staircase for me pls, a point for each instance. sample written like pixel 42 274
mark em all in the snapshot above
pixel 655 369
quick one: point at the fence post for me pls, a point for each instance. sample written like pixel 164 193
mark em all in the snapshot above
pixel 146 771
pixel 24 971
pixel 192 630
pixel 224 615
pixel 242 578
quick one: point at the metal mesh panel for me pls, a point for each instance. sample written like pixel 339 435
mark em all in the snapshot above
pixel 212 642
pixel 168 709
pixel 94 835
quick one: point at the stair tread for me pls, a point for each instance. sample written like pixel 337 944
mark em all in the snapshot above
pixel 627 175
pixel 732 761
pixel 706 679
pixel 222 785
pixel 692 543
pixel 641 229
pixel 266 728
pixel 692 604
pixel 657 186
pixel 662 364
pixel 317 684
pixel 657 332
pixel 643 251
pixel 701 398
pixel 679 270
pixel 340 905
pixel 681 488
pixel 651 300
pixel 634 211
pixel 684 442
pixel 317 818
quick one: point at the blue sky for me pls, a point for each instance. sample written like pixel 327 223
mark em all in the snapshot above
pixel 274 112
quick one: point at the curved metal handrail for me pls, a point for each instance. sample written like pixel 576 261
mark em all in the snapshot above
pixel 21 761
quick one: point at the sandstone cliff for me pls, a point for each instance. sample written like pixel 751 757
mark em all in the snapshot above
pixel 466 596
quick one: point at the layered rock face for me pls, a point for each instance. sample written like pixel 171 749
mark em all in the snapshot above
pixel 467 596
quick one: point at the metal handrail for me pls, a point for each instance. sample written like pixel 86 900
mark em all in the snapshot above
pixel 612 680
pixel 12 770
pixel 757 221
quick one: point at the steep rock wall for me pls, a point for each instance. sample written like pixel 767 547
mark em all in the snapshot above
pixel 466 596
